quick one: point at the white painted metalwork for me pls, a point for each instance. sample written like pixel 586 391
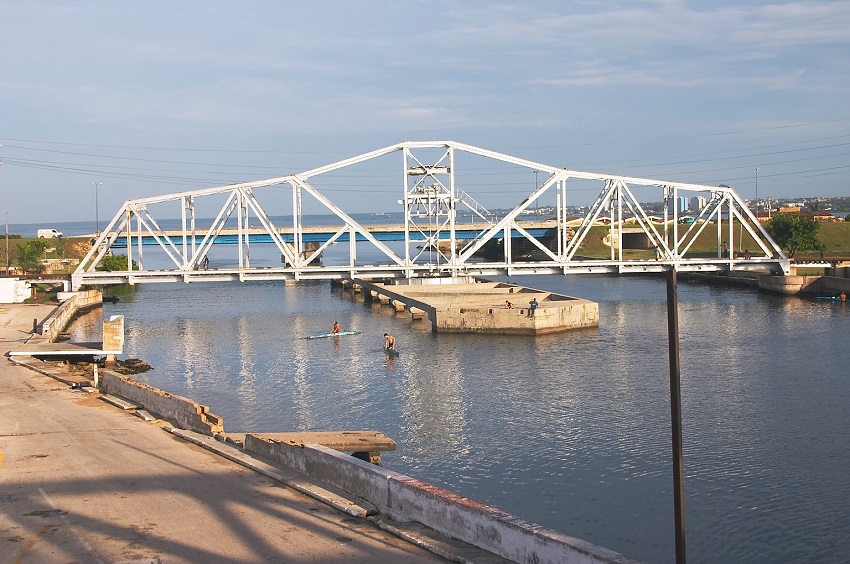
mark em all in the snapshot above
pixel 432 194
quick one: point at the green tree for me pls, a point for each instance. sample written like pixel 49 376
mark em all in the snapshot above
pixel 113 263
pixel 29 256
pixel 795 233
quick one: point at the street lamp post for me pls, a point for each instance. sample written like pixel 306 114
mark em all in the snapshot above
pixel 96 212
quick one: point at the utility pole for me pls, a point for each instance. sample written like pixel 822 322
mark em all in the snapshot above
pixel 96 213
pixel 7 234
pixel 757 191
pixel 7 243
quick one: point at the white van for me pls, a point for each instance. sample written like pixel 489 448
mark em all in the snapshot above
pixel 48 233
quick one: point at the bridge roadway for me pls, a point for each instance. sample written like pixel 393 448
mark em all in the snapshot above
pixel 321 233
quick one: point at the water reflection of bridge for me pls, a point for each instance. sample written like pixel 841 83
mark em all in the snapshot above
pixel 435 181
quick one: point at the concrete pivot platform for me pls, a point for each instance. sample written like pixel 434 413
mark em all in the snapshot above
pixel 483 306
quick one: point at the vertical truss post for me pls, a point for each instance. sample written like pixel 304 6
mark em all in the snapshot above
pixel 559 220
pixel 562 230
pixel 190 201
pixel 245 226
pixel 720 225
pixel 667 197
pixel 352 247
pixel 405 202
pixel 128 219
pixel 240 249
pixel 296 222
pixel 184 239
pixel 138 239
pixel 676 221
pixel 619 192
pixel 611 204
pixel 731 238
pixel 452 209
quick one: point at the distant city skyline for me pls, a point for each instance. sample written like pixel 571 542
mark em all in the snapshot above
pixel 104 102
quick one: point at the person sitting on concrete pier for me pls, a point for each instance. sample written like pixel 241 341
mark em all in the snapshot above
pixel 532 307
pixel 508 304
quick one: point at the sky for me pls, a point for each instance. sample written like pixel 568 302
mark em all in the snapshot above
pixel 103 101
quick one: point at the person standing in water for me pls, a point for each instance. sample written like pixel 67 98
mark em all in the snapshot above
pixel 389 342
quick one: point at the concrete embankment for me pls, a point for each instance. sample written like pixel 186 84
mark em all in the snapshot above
pixel 785 285
pixel 76 302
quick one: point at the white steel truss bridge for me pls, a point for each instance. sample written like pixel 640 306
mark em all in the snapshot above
pixel 288 228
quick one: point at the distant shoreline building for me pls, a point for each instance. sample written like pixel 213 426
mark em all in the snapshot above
pixel 697 203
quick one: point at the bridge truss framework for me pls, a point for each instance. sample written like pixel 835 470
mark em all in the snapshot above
pixel 431 195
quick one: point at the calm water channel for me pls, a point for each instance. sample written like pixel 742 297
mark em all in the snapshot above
pixel 570 431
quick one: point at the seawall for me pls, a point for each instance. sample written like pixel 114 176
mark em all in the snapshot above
pixel 56 322
pixel 403 498
pixel 785 285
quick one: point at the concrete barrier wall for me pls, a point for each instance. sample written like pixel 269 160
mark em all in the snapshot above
pixel 185 413
pixel 406 499
pixel 62 315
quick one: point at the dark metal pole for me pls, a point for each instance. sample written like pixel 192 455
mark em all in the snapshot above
pixel 676 415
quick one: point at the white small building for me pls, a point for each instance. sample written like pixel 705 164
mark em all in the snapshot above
pixel 14 290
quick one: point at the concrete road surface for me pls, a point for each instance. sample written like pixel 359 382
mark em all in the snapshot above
pixel 83 481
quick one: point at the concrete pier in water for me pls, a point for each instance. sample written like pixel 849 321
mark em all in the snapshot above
pixel 471 306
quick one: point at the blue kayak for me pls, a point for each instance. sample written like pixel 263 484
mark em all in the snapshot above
pixel 340 334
